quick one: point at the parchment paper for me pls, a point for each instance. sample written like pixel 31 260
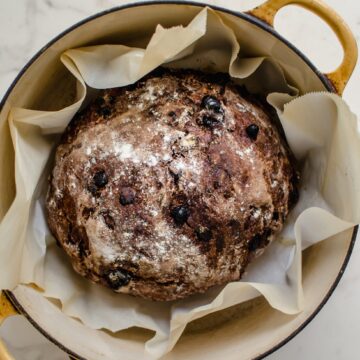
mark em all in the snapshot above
pixel 320 129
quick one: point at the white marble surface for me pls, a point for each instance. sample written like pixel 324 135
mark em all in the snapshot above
pixel 27 25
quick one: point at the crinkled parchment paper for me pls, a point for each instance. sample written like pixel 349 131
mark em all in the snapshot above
pixel 321 131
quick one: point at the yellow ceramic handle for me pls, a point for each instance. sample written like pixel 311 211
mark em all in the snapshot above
pixel 267 11
pixel 6 310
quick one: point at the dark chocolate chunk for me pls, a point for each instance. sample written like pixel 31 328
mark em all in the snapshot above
pixel 255 242
pixel 118 278
pixel 252 131
pixel 127 196
pixel 260 240
pixel 100 179
pixel 209 121
pixel 211 103
pixel 180 214
pixel 275 216
pixel 203 234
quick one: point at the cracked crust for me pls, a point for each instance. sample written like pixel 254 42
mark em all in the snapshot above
pixel 165 188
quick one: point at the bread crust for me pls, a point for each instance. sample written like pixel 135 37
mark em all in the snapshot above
pixel 170 186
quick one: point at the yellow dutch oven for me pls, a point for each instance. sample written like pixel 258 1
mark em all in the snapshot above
pixel 258 330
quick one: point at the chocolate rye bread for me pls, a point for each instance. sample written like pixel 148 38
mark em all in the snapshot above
pixel 170 186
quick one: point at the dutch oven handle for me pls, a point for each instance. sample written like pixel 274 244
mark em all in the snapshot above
pixel 267 11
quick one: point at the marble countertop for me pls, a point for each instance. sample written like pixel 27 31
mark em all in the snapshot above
pixel 27 25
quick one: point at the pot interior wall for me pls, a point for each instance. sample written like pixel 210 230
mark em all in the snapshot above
pixel 254 327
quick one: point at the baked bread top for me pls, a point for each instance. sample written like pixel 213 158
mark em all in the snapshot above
pixel 170 186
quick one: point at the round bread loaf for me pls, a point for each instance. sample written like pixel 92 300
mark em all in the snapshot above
pixel 172 185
